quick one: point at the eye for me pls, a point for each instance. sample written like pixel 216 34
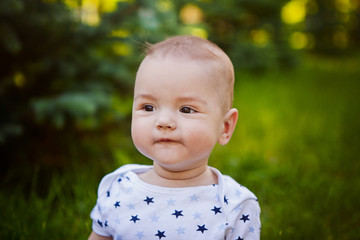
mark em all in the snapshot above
pixel 148 108
pixel 187 110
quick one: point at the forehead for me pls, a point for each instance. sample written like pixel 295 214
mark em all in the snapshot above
pixel 171 70
pixel 176 79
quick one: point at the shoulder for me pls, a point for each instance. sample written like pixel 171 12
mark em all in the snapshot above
pixel 237 196
pixel 243 209
pixel 237 190
pixel 231 188
pixel 115 176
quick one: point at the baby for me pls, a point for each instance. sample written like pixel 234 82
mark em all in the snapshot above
pixel 182 108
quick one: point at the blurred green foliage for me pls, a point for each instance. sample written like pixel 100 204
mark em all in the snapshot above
pixel 250 32
pixel 334 25
pixel 66 76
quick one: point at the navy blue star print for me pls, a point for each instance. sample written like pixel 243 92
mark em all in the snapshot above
pixel 134 218
pixel 149 200
pixel 177 213
pixel 125 203
pixel 100 223
pixel 226 200
pixel 245 218
pixel 216 210
pixel 160 234
pixel 202 228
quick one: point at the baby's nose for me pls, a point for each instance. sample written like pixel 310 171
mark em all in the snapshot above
pixel 165 122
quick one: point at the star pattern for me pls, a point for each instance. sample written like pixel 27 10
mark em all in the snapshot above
pixel 131 206
pixel 154 218
pixel 180 230
pixel 226 200
pixel 202 228
pixel 216 210
pixel 194 211
pixel 177 213
pixel 139 235
pixel 160 234
pixel 245 218
pixel 197 215
pixel 171 202
pixel 194 198
pixel 117 204
pixel 149 200
pixel 100 223
pixel 134 218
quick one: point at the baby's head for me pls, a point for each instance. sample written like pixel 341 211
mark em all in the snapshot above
pixel 182 102
pixel 205 53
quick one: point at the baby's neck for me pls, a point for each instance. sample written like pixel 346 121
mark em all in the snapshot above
pixel 190 178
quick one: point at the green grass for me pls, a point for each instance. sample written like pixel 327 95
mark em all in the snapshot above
pixel 295 146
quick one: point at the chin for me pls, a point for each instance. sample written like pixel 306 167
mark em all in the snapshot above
pixel 164 159
pixel 176 166
pixel 171 166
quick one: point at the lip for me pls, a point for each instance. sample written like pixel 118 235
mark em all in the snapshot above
pixel 165 140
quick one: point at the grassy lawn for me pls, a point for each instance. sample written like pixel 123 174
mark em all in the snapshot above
pixel 296 147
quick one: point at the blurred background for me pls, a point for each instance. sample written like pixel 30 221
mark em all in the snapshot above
pixel 66 76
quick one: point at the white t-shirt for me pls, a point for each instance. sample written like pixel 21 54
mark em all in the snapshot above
pixel 128 208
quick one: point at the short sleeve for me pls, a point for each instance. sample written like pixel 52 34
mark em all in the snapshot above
pixel 245 220
pixel 101 215
pixel 99 222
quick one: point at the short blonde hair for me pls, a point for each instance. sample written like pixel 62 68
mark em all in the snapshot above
pixel 196 48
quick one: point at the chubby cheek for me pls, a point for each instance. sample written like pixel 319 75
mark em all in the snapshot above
pixel 200 138
pixel 139 135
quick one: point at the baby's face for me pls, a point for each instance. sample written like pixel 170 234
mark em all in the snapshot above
pixel 177 117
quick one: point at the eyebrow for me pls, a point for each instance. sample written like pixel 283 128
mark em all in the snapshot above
pixel 180 99
pixel 146 96
pixel 191 99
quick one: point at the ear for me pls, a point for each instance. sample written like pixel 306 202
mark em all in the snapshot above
pixel 229 126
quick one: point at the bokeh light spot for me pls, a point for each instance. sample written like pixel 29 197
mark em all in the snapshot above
pixel 260 37
pixel 191 14
pixel 294 12
pixel 19 79
pixel 298 40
